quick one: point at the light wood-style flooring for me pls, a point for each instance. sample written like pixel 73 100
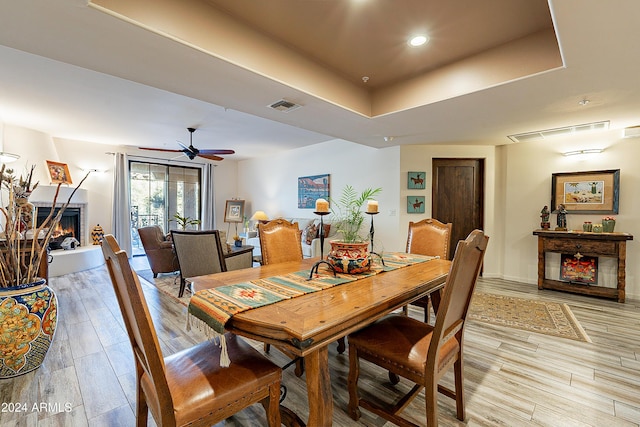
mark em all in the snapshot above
pixel 513 378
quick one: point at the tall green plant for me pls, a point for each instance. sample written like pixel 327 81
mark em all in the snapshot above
pixel 347 210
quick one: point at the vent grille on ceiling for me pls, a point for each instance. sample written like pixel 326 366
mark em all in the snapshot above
pixel 632 132
pixel 568 130
pixel 284 106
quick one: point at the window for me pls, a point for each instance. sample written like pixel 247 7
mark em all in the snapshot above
pixel 158 192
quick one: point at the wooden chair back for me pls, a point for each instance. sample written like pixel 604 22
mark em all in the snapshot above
pixel 280 241
pixel 199 253
pixel 137 320
pixel 429 237
pixel 458 290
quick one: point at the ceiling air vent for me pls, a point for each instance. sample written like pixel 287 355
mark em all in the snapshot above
pixel 284 106
pixel 564 131
pixel 632 132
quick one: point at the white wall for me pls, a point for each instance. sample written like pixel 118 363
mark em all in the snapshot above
pixel 271 183
pixel 416 158
pixel 528 173
pixel 36 147
pixel 518 185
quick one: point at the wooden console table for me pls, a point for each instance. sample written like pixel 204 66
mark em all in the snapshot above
pixel 591 244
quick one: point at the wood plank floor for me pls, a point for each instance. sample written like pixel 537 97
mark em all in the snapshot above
pixel 513 378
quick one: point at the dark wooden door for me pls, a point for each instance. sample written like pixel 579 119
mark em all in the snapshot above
pixel 458 196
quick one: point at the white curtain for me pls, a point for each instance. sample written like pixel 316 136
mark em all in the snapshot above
pixel 121 224
pixel 208 199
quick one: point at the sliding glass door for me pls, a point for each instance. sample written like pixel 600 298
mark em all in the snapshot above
pixel 160 192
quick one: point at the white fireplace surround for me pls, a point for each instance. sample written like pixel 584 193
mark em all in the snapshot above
pixel 86 256
pixel 43 195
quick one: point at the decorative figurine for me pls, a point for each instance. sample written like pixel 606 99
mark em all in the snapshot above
pixel 544 214
pixel 562 218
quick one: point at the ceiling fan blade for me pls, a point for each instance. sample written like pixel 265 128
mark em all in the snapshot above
pixel 161 149
pixel 210 156
pixel 214 151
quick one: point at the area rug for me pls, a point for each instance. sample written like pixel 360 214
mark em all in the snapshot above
pixel 167 283
pixel 543 317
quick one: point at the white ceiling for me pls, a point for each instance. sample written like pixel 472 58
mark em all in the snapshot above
pixel 76 72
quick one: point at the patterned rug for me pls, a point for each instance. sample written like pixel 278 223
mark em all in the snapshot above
pixel 542 317
pixel 167 283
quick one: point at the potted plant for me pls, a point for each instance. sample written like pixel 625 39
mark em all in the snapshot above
pixel 185 221
pixel 28 306
pixel 351 253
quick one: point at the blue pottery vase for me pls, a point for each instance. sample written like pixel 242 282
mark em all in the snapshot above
pixel 28 319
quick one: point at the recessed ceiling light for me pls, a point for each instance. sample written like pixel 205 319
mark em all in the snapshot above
pixel 418 40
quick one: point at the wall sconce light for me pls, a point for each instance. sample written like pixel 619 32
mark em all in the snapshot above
pixel 8 157
pixel 588 151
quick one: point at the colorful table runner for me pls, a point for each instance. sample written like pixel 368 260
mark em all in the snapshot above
pixel 216 306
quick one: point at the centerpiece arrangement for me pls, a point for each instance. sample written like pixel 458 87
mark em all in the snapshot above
pixel 28 306
pixel 351 253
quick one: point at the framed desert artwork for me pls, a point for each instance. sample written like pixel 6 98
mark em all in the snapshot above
pixel 415 204
pixel 416 180
pixel 311 188
pixel 58 172
pixel 586 192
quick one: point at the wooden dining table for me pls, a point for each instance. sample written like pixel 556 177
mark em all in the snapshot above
pixel 307 324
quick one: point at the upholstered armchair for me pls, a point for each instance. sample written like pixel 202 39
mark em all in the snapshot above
pixel 159 250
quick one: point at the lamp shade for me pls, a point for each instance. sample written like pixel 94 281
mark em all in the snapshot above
pixel 259 216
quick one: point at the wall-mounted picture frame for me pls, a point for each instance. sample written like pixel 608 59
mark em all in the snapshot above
pixel 589 192
pixel 58 172
pixel 312 188
pixel 234 211
pixel 415 204
pixel 416 180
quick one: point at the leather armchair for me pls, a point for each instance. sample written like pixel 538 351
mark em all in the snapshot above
pixel 159 250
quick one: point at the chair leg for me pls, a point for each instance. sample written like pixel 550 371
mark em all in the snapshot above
pixel 267 347
pixel 459 384
pixel 142 409
pixel 431 401
pixel 155 275
pixel 427 310
pixel 272 405
pixel 341 345
pixel 183 284
pixel 352 383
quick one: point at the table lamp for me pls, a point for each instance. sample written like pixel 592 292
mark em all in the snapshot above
pixel 259 216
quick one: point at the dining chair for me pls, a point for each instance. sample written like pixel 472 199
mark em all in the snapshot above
pixel 433 238
pixel 418 351
pixel 281 241
pixel 188 387
pixel 202 252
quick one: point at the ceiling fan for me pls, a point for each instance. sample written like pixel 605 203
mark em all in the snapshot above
pixel 191 152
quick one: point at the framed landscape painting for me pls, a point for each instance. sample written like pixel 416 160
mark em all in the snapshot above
pixel 312 188
pixel 586 192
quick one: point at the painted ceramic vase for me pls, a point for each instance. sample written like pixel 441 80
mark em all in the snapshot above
pixel 608 225
pixel 97 234
pixel 28 319
pixel 350 258
pixel 596 228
